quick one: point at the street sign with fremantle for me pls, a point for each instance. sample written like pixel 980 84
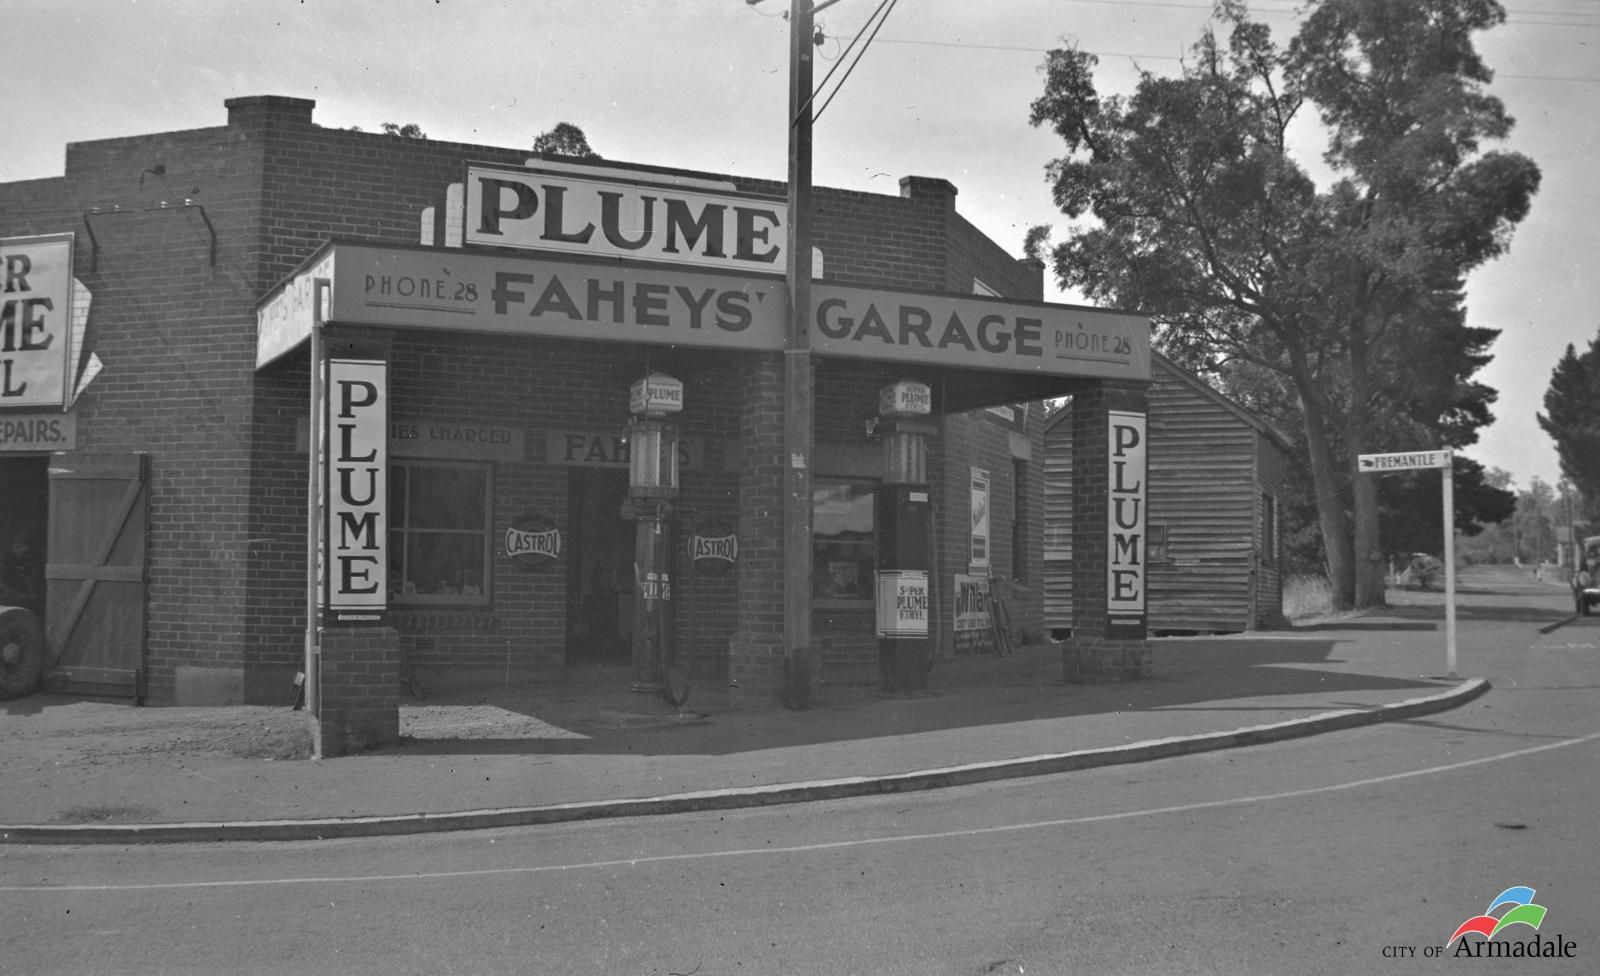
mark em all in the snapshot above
pixel 1409 461
pixel 1443 460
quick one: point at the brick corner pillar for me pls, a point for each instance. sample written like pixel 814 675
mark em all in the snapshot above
pixel 757 661
pixel 1109 639
pixel 358 705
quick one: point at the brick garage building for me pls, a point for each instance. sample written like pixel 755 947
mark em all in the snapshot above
pixel 174 487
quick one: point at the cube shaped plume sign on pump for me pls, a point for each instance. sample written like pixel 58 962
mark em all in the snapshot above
pixel 906 398
pixel 655 395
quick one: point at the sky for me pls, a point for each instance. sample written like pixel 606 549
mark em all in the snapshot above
pixel 943 91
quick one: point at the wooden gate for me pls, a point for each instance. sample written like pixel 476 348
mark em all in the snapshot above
pixel 95 600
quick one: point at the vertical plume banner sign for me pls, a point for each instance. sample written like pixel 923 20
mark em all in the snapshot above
pixel 1125 522
pixel 357 528
pixel 35 320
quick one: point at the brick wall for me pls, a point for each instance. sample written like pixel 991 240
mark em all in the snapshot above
pixel 174 323
pixel 357 709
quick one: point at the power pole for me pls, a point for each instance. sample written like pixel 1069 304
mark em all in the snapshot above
pixel 797 373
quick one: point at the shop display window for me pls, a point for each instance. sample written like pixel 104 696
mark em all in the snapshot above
pixel 439 533
pixel 843 539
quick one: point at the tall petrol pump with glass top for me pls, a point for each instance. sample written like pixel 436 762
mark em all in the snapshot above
pixel 905 523
pixel 652 487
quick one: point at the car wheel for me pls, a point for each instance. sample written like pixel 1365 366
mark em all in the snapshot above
pixel 21 652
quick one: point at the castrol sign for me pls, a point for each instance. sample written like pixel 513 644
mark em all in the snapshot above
pixel 713 549
pixel 532 543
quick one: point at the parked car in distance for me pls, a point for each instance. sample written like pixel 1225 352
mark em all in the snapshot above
pixel 1586 579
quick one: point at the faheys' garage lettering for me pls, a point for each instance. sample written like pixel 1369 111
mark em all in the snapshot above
pixel 619 301
pixel 905 324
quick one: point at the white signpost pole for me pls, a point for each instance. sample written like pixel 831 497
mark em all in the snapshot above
pixel 1369 463
pixel 1447 479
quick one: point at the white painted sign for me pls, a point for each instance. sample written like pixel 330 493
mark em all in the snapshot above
pixel 978 553
pixel 971 603
pixel 1125 522
pixel 616 219
pixel 902 603
pixel 1404 461
pixel 655 394
pixel 35 320
pixel 288 314
pixel 906 398
pixel 357 526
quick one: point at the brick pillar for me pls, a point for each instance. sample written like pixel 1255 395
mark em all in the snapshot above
pixel 756 657
pixel 1108 642
pixel 358 705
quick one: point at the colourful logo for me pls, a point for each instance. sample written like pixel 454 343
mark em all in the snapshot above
pixel 1522 912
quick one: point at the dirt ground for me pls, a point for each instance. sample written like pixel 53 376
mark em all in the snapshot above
pixel 51 730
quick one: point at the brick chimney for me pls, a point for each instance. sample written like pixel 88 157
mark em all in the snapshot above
pixel 929 189
pixel 268 111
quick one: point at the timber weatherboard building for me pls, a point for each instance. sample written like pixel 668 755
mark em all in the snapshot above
pixel 1214 548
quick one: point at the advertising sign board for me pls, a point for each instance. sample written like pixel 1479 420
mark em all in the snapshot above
pixel 541 295
pixel 357 459
pixel 1125 522
pixel 902 603
pixel 977 332
pixel 35 320
pixel 570 212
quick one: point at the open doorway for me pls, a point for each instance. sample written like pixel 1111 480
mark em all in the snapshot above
pixel 24 519
pixel 599 567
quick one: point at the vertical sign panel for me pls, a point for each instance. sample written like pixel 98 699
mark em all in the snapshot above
pixel 35 320
pixel 1125 526
pixel 902 603
pixel 357 524
pixel 979 558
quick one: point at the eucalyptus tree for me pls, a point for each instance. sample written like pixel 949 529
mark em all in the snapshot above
pixel 1197 211
pixel 565 139
pixel 1572 417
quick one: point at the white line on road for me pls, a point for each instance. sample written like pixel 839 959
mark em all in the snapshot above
pixel 826 846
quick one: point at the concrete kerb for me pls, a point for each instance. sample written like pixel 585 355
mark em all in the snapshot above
pixel 733 799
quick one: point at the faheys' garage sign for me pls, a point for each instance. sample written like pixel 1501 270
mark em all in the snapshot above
pixel 713 549
pixel 532 543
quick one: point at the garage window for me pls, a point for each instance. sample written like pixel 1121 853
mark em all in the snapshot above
pixel 843 539
pixel 439 533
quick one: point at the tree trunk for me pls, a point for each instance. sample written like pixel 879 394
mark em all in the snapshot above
pixel 1370 587
pixel 1330 504
pixel 1368 551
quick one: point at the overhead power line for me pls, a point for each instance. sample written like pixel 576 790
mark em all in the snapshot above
pixel 1166 57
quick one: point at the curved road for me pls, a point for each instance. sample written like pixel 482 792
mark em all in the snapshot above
pixel 1357 851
